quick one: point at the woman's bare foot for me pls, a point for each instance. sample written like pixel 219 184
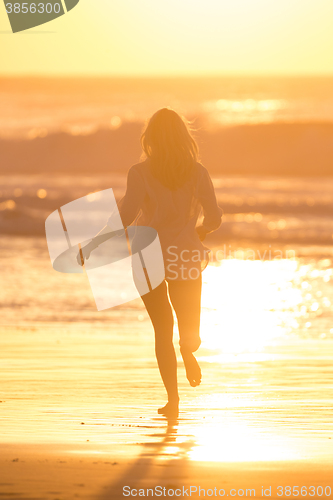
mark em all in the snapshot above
pixel 171 409
pixel 193 371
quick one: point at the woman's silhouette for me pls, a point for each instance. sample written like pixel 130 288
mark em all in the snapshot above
pixel 166 191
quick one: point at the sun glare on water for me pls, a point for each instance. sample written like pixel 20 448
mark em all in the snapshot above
pixel 239 442
pixel 255 317
pixel 247 304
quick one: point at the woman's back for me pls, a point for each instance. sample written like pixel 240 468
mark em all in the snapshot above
pixel 172 212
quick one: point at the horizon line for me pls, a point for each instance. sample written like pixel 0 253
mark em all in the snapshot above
pixel 164 75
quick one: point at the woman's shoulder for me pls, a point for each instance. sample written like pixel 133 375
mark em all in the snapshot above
pixel 201 168
pixel 141 168
pixel 141 165
pixel 201 171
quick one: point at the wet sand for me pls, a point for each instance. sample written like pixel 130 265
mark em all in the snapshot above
pixel 80 389
pixel 79 420
pixel 53 473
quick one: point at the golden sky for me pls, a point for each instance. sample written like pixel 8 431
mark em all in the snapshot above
pixel 148 37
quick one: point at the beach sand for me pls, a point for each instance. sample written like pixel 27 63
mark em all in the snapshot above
pixel 80 389
pixel 79 419
pixel 52 472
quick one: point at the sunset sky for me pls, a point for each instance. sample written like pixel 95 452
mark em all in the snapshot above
pixel 150 37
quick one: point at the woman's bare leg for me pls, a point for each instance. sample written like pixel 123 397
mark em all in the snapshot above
pixel 186 299
pixel 160 312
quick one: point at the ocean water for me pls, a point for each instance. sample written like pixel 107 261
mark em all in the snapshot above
pixel 36 107
pixel 77 136
pixel 276 211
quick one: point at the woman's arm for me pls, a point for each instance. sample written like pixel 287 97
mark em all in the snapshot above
pixel 212 212
pixel 128 208
pixel 130 205
pixel 105 234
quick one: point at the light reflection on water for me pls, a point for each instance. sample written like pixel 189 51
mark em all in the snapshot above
pixel 248 303
pixel 266 359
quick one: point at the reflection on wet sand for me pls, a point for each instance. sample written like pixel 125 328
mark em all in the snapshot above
pixel 163 447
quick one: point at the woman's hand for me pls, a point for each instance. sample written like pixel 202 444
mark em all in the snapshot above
pixel 202 233
pixel 85 252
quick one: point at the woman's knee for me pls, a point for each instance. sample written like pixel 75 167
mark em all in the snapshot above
pixel 190 343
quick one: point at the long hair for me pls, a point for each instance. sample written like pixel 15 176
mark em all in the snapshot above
pixel 169 145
